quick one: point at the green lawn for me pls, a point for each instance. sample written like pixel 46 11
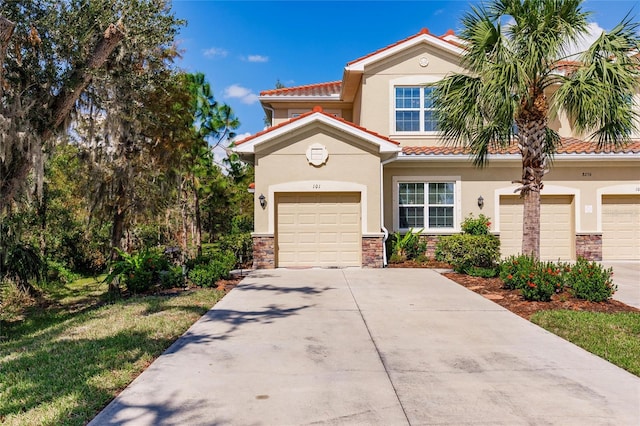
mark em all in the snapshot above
pixel 614 337
pixel 63 364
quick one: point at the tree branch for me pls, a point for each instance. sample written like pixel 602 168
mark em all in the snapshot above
pixel 63 104
pixel 6 31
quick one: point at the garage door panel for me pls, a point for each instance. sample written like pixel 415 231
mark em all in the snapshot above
pixel 557 235
pixel 318 229
pixel 621 227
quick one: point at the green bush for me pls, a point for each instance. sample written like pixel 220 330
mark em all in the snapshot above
pixel 172 277
pixel 536 280
pixel 218 267
pixel 407 246
pixel 590 281
pixel 239 243
pixel 58 272
pixel 516 271
pixel 478 271
pixel 139 271
pixel 464 251
pixel 476 226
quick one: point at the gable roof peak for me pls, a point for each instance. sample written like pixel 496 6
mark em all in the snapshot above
pixel 448 42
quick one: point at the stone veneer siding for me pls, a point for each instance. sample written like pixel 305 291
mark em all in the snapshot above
pixel 372 252
pixel 589 246
pixel 431 241
pixel 264 252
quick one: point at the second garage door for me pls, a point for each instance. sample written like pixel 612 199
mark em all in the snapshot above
pixel 557 235
pixel 318 229
pixel 621 227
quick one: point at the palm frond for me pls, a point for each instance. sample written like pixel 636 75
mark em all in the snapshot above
pixel 598 96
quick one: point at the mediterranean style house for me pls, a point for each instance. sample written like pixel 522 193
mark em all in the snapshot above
pixel 346 163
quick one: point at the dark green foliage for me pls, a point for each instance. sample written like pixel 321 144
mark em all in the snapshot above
pixel 138 272
pixel 464 251
pixel 58 272
pixel 515 271
pixel 172 277
pixel 536 280
pixel 207 272
pixel 477 271
pixel 476 226
pixel 590 281
pixel 408 246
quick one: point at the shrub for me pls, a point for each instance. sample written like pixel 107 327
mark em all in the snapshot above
pixel 172 277
pixel 139 271
pixel 464 251
pixel 240 244
pixel 476 226
pixel 515 271
pixel 538 287
pixel 478 271
pixel 590 281
pixel 407 246
pixel 536 280
pixel 218 267
pixel 58 272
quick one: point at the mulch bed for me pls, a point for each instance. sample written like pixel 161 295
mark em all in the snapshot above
pixel 492 289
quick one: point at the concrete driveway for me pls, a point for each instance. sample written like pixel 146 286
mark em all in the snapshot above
pixel 626 274
pixel 371 347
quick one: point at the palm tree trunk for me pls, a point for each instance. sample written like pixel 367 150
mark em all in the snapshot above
pixel 531 224
pixel 532 127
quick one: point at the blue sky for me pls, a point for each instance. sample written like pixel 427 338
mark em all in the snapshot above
pixel 244 47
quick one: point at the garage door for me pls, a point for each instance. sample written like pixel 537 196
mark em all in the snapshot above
pixel 557 235
pixel 621 227
pixel 319 229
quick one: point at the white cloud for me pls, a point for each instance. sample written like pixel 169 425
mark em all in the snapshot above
pixel 241 136
pixel 246 96
pixel 257 58
pixel 213 52
pixel 594 31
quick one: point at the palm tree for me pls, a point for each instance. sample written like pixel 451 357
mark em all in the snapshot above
pixel 521 75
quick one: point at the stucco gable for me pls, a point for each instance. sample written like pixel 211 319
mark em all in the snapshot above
pixel 445 43
pixel 273 135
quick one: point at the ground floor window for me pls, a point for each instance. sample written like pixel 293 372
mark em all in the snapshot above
pixel 426 204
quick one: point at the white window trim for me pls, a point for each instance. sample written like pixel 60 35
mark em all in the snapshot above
pixel 408 81
pixel 457 207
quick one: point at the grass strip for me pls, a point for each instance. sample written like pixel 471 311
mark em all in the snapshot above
pixel 63 364
pixel 612 336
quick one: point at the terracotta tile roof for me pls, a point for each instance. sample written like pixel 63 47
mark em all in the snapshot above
pixel 569 146
pixel 319 89
pixel 316 109
pixel 422 31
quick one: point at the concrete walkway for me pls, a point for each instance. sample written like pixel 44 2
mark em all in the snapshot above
pixel 371 347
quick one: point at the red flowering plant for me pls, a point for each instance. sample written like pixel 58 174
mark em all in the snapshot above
pixel 515 271
pixel 590 281
pixel 536 280
pixel 542 283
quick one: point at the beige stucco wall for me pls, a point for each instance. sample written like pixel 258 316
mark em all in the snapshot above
pixel 353 165
pixel 379 79
pixel 583 180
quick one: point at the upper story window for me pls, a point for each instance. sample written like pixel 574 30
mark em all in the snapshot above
pixel 414 110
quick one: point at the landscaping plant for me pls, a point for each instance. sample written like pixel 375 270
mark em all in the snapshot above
pixel 465 251
pixel 206 273
pixel 407 246
pixel 138 271
pixel 590 281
